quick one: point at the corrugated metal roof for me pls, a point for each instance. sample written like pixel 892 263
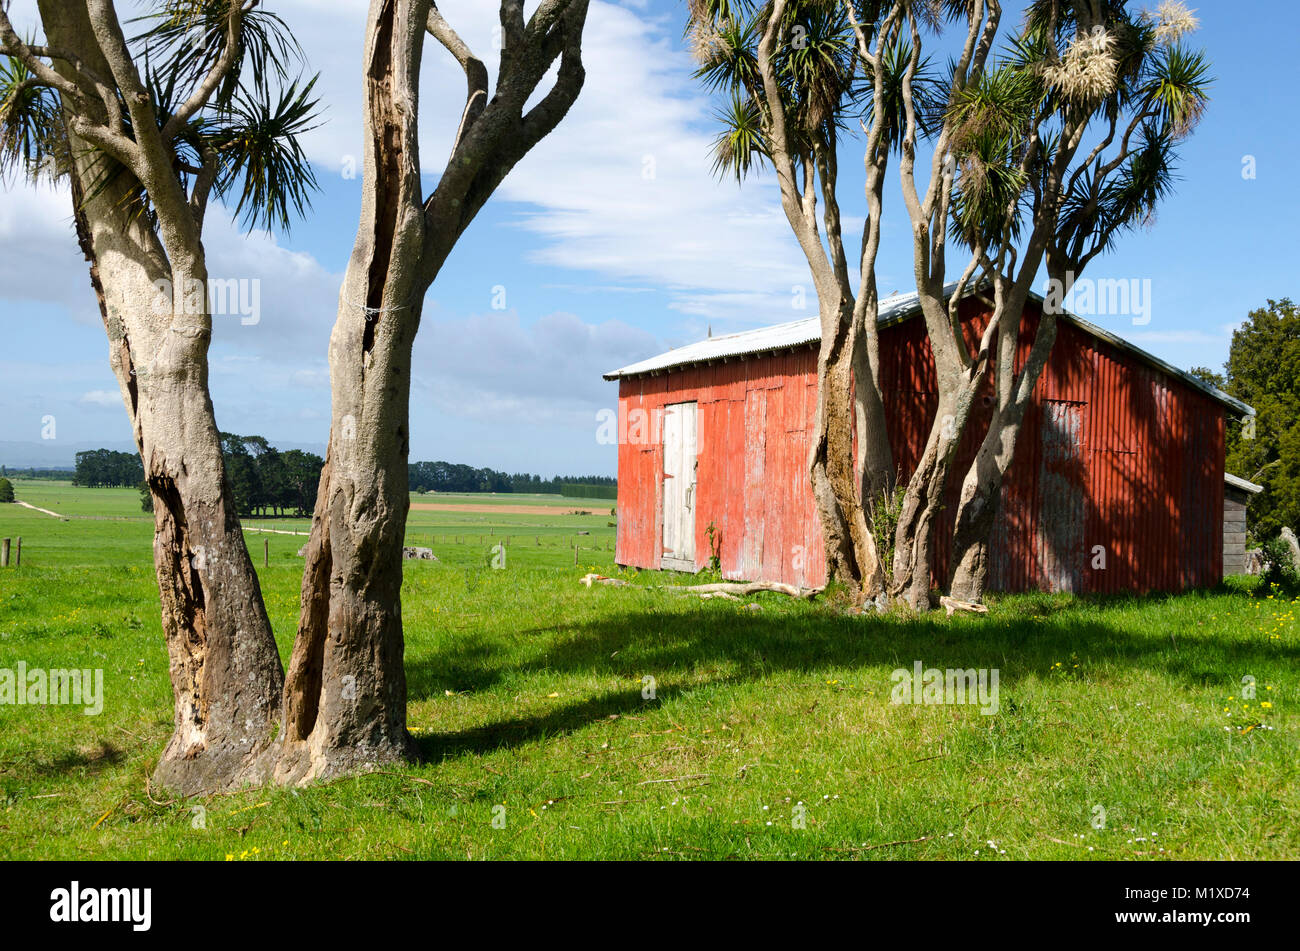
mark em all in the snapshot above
pixel 1239 483
pixel 765 339
pixel 798 333
pixel 746 343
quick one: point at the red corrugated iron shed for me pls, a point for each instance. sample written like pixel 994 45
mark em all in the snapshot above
pixel 1117 485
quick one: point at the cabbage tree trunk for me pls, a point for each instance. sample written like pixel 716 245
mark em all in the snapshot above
pixel 345 696
pixel 981 490
pixel 847 329
pixel 224 666
pixel 924 496
pixel 850 549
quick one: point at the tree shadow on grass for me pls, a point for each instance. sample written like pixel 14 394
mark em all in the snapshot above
pixel 92 759
pixel 1021 640
pixel 518 731
pixel 635 643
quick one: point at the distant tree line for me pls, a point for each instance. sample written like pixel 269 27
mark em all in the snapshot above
pixel 587 490
pixel 62 475
pixel 106 467
pixel 263 480
pixel 266 481
pixel 451 477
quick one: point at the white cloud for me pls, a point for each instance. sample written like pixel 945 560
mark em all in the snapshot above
pixel 316 378
pixel 299 296
pixel 101 398
pixel 491 367
pixel 624 186
pixel 622 189
pixel 40 261
pixel 39 257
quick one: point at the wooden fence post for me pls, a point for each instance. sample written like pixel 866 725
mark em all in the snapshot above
pixel 266 552
pixel 4 553
pixel 18 553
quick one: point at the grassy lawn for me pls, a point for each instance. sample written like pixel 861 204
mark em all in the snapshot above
pixel 770 732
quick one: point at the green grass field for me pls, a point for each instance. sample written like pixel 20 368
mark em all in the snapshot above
pixel 770 733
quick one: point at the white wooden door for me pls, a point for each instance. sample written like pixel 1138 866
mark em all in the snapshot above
pixel 679 429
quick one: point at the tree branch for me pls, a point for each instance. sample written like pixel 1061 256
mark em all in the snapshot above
pixel 12 45
pixel 151 158
pixel 476 75
pixel 106 140
pixel 540 120
pixel 109 137
pixel 546 15
pixel 204 178
pixel 494 136
pixel 82 76
pixel 512 25
pixel 797 201
pixel 220 69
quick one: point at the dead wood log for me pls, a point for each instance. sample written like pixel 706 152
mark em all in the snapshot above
pixel 745 588
pixel 594 578
pixel 954 604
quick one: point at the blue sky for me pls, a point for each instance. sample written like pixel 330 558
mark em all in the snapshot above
pixel 610 243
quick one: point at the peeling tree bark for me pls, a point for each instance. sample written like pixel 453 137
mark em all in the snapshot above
pixel 345 695
pixel 225 668
pixel 1071 226
pixel 848 390
pixel 344 704
pixel 850 549
pixel 875 456
pixel 345 698
pixel 921 501
pixel 981 490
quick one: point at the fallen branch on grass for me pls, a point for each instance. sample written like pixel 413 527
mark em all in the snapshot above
pixel 744 588
pixel 880 845
pixel 594 578
pixel 414 779
pixel 675 779
pixel 953 604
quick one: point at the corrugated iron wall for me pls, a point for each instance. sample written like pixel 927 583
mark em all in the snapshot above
pixel 1117 483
